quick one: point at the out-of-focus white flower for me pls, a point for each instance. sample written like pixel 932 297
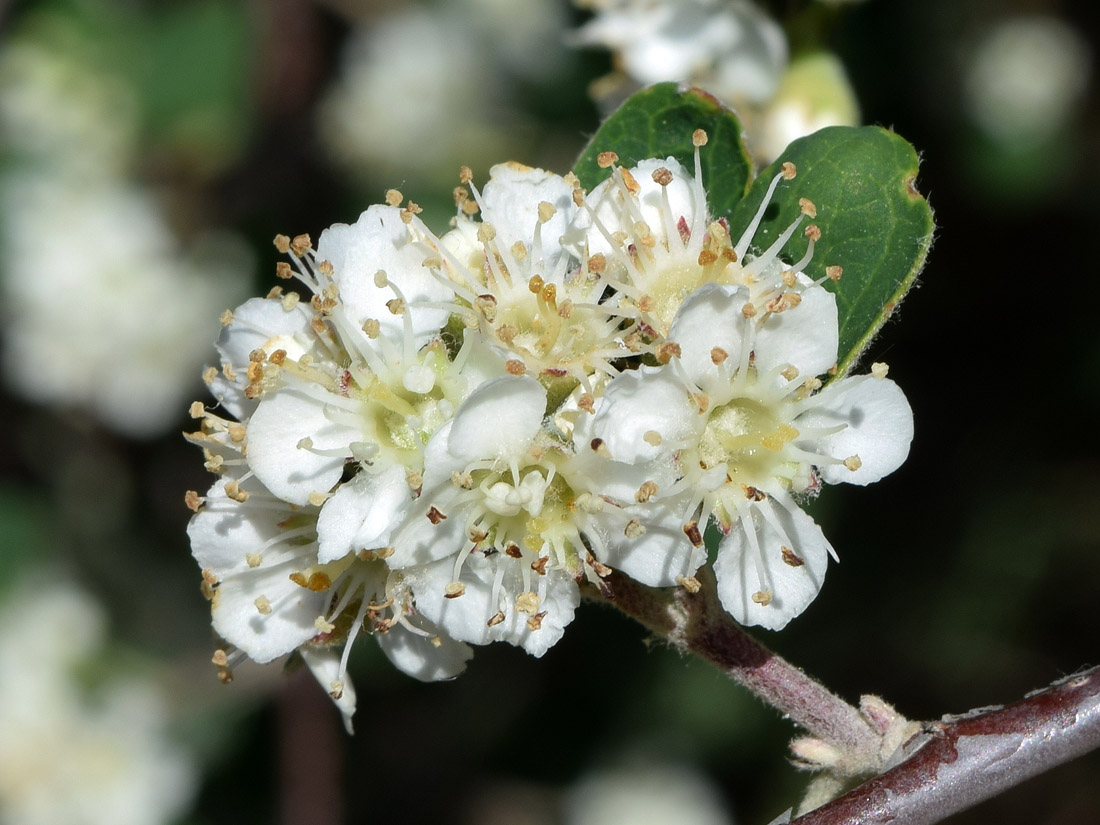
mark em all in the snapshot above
pixel 102 308
pixel 814 93
pixel 57 110
pixel 729 47
pixel 69 753
pixel 1027 76
pixel 647 793
pixel 447 69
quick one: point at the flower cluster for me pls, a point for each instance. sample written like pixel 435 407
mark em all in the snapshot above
pixel 445 437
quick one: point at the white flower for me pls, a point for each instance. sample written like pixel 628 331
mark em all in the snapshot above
pixel 102 308
pixel 71 754
pixel 275 587
pixel 729 47
pixel 814 93
pixel 1027 78
pixel 493 549
pixel 732 430
pixel 521 289
pixel 644 790
pixel 58 109
pixel 647 229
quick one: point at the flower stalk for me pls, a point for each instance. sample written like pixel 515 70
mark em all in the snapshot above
pixel 695 622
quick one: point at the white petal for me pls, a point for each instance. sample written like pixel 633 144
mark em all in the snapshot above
pixel 499 419
pixel 663 553
pixel 420 656
pixel 424 535
pixel 805 337
pixel 467 617
pixel 277 427
pixel 259 323
pixel 225 532
pixel 512 198
pixel 710 317
pixel 380 240
pixel 362 513
pixel 264 637
pixel 879 427
pixel 645 414
pixel 744 567
pixel 324 663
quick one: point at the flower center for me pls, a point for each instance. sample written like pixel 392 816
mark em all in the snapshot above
pixel 748 437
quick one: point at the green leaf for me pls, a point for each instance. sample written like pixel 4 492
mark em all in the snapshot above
pixel 658 122
pixel 873 221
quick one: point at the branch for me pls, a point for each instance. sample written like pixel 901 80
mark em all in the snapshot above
pixel 696 622
pixel 962 761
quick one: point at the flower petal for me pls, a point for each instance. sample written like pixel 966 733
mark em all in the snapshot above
pixel 805 337
pixel 467 617
pixel 879 428
pixel 645 414
pixel 324 663
pixel 362 513
pixel 709 318
pixel 500 418
pixel 512 199
pixel 756 564
pixel 277 428
pixel 380 240
pixel 429 658
pixel 662 554
pixel 258 323
pixel 265 636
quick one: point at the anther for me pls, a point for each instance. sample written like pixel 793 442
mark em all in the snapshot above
pixel 695 536
pixel 394 197
pixel 879 369
pixel 790 558
pixel 762 597
pixel 689 583
pixel 706 258
pixel 514 366
pixel 546 211
pixel 718 355
pixel 662 176
pixel 789 170
pixel 699 138
pixel 652 438
pixel 606 159
pixel 807 207
pixel 435 516
pixel 226 318
pixel 282 243
pixel 263 605
pixel 748 310
pixel 300 244
pixel 323 625
pixel 284 271
pixel 853 462
pixel 752 493
pixel 634 529
pixel 813 232
pixel 496 619
pixel 465 174
pixel 834 272
pixel 253 559
pixel 647 491
pixel 535 622
pixel 193 501
pixel 539 565
pixel 667 351
pixel 528 603
pixel 454 590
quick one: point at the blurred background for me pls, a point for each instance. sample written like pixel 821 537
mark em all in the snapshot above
pixel 149 152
